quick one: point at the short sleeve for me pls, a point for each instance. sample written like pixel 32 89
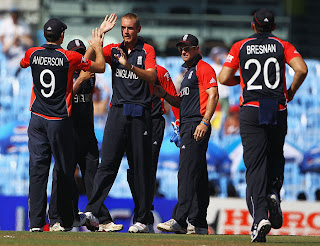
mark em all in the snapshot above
pixel 166 81
pixel 25 61
pixel 206 75
pixel 290 52
pixel 107 53
pixel 150 61
pixel 232 59
pixel 77 61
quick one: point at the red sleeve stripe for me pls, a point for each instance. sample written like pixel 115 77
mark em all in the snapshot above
pixel 150 61
pixel 48 117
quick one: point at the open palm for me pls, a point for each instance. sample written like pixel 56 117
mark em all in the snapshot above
pixel 108 23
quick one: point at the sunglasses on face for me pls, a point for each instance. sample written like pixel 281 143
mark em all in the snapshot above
pixel 186 48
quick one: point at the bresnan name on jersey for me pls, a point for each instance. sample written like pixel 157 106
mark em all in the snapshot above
pixel 259 49
pixel 45 60
pixel 125 74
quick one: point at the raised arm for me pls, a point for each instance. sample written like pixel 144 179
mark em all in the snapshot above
pixel 108 23
pixel 99 65
pixel 106 26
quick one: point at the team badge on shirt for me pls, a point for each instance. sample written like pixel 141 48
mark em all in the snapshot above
pixel 167 76
pixel 229 58
pixel 139 61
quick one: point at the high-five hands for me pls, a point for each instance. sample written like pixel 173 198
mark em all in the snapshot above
pixel 97 39
pixel 108 23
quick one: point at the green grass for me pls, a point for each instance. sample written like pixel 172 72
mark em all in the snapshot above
pixel 88 238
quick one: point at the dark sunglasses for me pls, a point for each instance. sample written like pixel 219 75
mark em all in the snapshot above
pixel 186 48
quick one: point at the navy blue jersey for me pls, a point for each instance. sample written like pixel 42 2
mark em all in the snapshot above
pixel 52 71
pixel 127 87
pixel 82 108
pixel 261 59
pixel 199 77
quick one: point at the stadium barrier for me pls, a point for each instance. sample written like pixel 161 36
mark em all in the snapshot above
pixel 225 216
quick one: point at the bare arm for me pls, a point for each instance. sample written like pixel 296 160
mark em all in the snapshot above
pixel 149 75
pixel 160 92
pixel 300 72
pixel 227 76
pixel 83 76
pixel 212 102
pixel 99 65
pixel 90 54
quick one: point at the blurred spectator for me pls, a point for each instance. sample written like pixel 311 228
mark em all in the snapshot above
pixel 231 124
pixel 178 79
pixel 15 37
pixel 317 195
pixel 157 191
pixel 100 105
pixel 214 187
pixel 302 196
pixel 218 55
pixel 231 190
pixel 101 96
pixel 217 118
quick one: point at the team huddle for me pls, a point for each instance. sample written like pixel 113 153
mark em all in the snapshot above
pixel 61 125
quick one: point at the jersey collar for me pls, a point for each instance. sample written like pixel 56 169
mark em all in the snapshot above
pixel 51 46
pixel 139 44
pixel 262 35
pixel 195 62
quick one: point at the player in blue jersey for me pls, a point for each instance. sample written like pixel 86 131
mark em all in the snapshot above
pixel 197 102
pixel 50 127
pixel 129 126
pixel 261 60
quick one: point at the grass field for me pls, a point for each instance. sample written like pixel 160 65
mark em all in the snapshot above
pixel 88 238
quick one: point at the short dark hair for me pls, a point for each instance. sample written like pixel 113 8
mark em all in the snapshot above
pixel 51 37
pixel 133 16
pixel 264 28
